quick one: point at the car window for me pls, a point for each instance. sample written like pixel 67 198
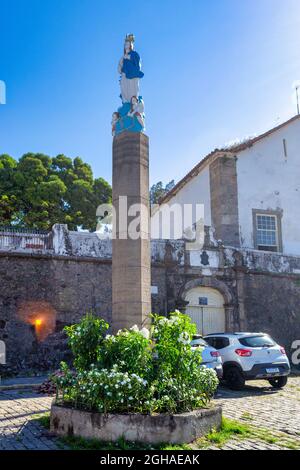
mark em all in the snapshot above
pixel 221 343
pixel 210 340
pixel 198 342
pixel 257 341
pixel 217 342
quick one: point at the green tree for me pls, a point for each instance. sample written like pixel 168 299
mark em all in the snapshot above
pixel 158 190
pixel 38 191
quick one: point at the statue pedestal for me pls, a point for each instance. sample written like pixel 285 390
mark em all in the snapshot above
pixel 131 269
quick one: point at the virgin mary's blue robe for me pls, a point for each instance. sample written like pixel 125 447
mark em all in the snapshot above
pixel 132 67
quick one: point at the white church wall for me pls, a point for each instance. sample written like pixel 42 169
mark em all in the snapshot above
pixel 196 191
pixel 269 179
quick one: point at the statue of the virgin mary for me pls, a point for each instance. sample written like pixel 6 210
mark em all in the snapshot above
pixel 130 70
pixel 130 116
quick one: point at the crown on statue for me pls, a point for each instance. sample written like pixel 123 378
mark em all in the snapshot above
pixel 130 37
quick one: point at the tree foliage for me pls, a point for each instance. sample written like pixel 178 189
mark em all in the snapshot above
pixel 38 191
pixel 158 190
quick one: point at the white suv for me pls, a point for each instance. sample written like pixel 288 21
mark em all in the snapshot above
pixel 250 356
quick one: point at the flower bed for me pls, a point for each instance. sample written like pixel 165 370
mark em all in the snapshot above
pixel 134 373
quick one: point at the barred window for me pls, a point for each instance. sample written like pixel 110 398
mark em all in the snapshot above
pixel 203 301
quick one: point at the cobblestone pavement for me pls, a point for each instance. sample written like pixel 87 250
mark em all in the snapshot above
pixel 263 407
pixel 277 411
pixel 19 426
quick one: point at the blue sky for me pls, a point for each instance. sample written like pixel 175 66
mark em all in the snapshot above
pixel 215 70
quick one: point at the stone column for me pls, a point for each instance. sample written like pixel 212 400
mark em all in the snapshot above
pixel 224 200
pixel 131 292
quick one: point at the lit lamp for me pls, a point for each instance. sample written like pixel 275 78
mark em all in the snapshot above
pixel 38 322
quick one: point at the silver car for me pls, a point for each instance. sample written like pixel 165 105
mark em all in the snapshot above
pixel 211 358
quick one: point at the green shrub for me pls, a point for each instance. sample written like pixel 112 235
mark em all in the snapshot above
pixel 180 380
pixel 129 350
pixel 105 390
pixel 85 339
pixel 136 370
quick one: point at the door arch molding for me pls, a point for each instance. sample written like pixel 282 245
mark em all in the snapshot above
pixel 208 281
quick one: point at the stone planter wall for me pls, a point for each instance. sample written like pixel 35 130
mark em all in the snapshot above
pixel 174 429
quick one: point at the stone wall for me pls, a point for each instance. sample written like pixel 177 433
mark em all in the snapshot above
pixel 55 290
pixel 272 304
pixel 261 291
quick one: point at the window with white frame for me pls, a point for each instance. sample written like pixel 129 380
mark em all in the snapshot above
pixel 267 232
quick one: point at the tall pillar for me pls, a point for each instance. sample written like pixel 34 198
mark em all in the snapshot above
pixel 131 294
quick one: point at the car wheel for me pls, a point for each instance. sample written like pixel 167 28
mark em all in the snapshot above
pixel 278 382
pixel 234 378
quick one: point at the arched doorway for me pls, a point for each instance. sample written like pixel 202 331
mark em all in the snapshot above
pixel 206 309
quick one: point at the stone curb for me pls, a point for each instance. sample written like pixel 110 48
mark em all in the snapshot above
pixel 150 429
pixel 4 388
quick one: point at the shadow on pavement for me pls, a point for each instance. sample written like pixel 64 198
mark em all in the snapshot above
pixel 249 390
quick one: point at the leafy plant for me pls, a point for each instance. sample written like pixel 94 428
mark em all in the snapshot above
pixel 85 340
pixel 172 338
pixel 129 350
pixel 105 390
pixel 181 382
pixel 135 370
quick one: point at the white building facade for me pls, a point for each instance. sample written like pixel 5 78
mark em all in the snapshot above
pixel 250 192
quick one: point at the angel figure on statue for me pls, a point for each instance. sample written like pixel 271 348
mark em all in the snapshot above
pixel 114 120
pixel 137 110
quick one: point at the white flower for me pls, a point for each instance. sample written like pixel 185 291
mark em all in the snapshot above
pixel 130 398
pixel 109 394
pixel 184 338
pixel 145 332
pixel 135 328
